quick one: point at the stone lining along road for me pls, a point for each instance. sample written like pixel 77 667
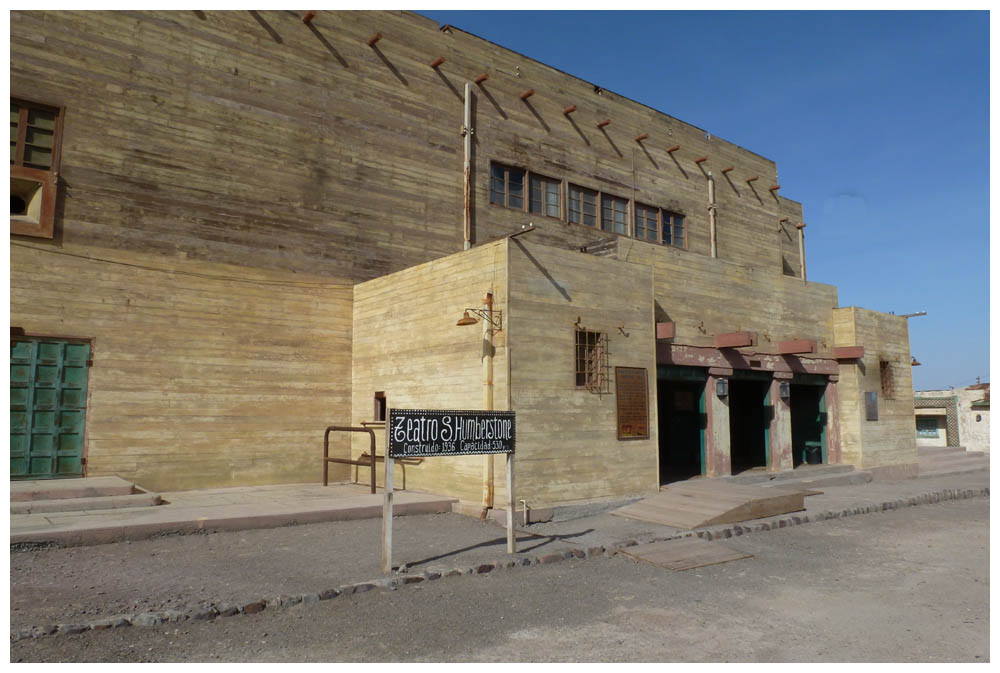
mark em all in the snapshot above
pixel 910 584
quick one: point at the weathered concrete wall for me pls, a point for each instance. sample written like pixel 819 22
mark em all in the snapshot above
pixel 705 296
pixel 408 346
pixel 890 440
pixel 567 446
pixel 204 375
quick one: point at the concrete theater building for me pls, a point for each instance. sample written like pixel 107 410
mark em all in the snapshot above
pixel 230 230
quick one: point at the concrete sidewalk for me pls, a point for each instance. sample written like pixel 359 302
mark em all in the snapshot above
pixel 239 508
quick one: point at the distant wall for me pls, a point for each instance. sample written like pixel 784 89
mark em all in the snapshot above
pixel 890 440
pixel 204 375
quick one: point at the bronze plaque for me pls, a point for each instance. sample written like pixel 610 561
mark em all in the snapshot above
pixel 633 402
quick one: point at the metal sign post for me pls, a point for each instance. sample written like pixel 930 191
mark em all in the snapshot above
pixel 419 433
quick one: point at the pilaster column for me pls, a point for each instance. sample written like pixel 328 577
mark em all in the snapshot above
pixel 718 460
pixel 780 431
pixel 831 400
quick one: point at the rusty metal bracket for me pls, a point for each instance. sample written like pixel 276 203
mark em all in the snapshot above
pixel 326 452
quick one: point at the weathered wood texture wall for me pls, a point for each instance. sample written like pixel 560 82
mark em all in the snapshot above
pixel 219 133
pixel 204 374
pixel 889 441
pixel 705 296
pixel 567 446
pixel 407 345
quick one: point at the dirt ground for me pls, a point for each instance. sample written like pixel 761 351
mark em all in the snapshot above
pixel 906 585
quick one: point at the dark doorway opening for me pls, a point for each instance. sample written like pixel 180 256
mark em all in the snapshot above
pixel 808 424
pixel 682 419
pixel 748 423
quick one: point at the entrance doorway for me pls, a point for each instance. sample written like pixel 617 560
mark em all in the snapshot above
pixel 749 421
pixel 680 395
pixel 808 409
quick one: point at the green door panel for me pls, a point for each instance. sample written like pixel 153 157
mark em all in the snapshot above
pixel 48 398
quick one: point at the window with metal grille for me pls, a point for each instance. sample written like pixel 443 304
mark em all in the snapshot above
pixel 614 214
pixel 887 378
pixel 674 232
pixel 927 426
pixel 35 132
pixel 582 206
pixel 507 186
pixel 543 194
pixel 591 360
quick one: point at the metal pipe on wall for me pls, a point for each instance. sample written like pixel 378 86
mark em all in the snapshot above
pixel 711 215
pixel 487 397
pixel 467 134
pixel 801 226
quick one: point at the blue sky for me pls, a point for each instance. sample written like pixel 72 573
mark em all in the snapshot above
pixel 878 121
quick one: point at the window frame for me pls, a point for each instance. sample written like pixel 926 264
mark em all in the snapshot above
pixel 507 168
pixel 664 213
pixel 614 199
pixel 590 359
pixel 657 227
pixel 925 432
pixel 42 225
pixel 582 192
pixel 544 183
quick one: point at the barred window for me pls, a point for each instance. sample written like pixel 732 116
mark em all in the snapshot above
pixel 35 132
pixel 887 378
pixel 591 359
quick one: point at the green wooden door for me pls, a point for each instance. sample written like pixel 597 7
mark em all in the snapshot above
pixel 48 406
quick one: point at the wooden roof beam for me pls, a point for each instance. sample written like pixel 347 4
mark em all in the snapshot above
pixel 371 41
pixel 436 63
pixel 309 16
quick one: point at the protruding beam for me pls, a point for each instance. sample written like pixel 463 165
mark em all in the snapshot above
pixel 525 95
pixel 701 160
pixel 796 347
pixel 774 188
pixel 673 149
pixel 642 136
pixel 783 220
pixel 569 109
pixel 481 78
pixel 728 168
pixel 734 339
pixel 848 352
pixel 436 62
pixel 309 16
pixel 752 178
pixel 666 330
pixel 604 122
pixel 800 225
pixel 373 39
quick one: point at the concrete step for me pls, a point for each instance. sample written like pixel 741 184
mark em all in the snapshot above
pixel 926 471
pixel 800 473
pixel 938 450
pixel 86 504
pixel 853 478
pixel 946 457
pixel 60 489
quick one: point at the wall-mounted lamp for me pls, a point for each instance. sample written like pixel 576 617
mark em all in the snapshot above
pixel 495 318
pixel 722 387
pixel 784 390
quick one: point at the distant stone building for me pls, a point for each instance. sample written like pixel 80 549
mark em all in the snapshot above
pixel 954 417
pixel 230 230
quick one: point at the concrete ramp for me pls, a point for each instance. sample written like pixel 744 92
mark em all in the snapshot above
pixel 709 502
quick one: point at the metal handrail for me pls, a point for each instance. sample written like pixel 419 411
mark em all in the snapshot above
pixel 326 452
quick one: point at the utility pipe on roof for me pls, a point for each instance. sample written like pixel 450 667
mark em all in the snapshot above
pixel 467 133
pixel 711 215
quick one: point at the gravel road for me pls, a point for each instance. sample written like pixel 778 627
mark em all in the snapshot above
pixel 905 585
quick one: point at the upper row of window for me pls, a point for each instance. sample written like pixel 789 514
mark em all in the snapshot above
pixel 585 206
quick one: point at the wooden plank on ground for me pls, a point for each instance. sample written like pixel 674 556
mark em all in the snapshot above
pixel 684 553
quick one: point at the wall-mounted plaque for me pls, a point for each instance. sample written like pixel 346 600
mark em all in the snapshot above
pixel 633 402
pixel 420 432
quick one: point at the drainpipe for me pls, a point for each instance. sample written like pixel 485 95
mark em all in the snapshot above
pixel 487 398
pixel 467 134
pixel 801 226
pixel 711 215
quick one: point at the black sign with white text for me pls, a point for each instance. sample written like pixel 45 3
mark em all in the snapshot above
pixel 417 433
